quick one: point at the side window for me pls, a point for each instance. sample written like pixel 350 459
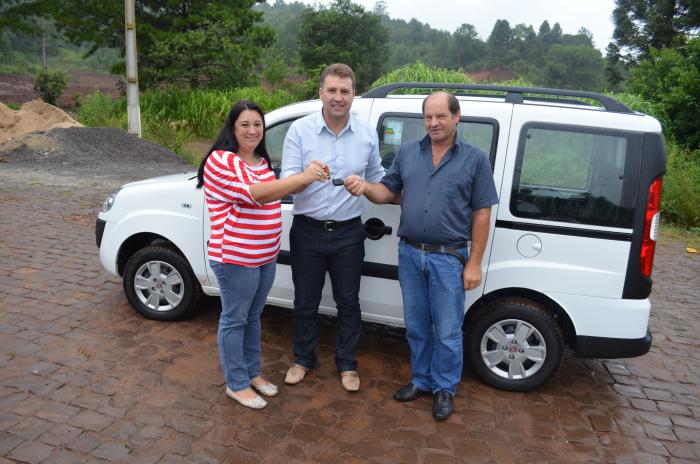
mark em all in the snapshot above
pixel 401 128
pixel 576 175
pixel 274 141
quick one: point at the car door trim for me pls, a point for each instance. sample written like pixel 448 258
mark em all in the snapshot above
pixel 369 269
pixel 559 230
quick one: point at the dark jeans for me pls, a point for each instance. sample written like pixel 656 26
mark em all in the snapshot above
pixel 340 253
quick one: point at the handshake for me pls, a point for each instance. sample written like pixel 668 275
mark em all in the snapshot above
pixel 317 171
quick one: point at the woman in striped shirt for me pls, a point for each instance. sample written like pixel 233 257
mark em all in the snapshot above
pixel 243 199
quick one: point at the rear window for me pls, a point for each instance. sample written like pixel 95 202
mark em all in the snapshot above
pixel 576 175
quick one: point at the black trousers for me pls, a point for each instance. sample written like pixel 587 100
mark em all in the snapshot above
pixel 313 253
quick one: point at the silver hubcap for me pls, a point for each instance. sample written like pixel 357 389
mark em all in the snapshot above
pixel 159 286
pixel 513 349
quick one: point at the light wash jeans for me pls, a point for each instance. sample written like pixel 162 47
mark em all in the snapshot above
pixel 433 302
pixel 243 295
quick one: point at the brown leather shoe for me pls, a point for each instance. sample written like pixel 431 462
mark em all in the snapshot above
pixel 350 380
pixel 295 374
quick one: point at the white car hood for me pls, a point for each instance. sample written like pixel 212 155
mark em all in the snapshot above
pixel 162 180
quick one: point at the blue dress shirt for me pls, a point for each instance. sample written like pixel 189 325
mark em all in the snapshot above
pixel 437 202
pixel 355 150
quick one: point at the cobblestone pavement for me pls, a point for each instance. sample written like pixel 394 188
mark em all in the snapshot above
pixel 84 378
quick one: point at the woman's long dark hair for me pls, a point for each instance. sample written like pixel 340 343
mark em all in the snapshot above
pixel 227 139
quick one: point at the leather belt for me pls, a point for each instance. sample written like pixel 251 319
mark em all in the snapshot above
pixel 450 249
pixel 328 226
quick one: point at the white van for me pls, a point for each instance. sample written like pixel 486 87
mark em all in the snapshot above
pixel 571 245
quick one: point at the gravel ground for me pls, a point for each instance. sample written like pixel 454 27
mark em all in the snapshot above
pixel 89 155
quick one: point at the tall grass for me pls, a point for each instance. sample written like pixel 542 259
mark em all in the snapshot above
pixel 420 72
pixel 170 117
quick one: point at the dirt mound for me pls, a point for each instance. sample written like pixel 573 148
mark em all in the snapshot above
pixel 32 116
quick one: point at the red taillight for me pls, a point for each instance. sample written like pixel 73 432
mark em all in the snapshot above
pixel 651 227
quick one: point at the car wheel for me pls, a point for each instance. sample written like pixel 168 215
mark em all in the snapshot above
pixel 515 345
pixel 160 285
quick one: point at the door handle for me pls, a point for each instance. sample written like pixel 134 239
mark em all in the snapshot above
pixel 376 229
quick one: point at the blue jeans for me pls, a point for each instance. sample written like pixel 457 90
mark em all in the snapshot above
pixel 433 303
pixel 243 295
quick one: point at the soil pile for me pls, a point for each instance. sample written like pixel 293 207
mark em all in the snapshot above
pixel 31 117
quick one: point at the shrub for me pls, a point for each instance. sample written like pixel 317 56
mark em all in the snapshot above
pixel 50 85
pixel 681 189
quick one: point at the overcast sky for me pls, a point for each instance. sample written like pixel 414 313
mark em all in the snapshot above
pixel 594 15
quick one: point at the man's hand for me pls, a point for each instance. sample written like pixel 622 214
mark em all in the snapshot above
pixel 356 185
pixel 471 276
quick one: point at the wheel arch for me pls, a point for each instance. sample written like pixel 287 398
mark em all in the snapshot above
pixel 141 240
pixel 560 315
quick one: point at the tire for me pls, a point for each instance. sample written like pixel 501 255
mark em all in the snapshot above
pixel 172 294
pixel 514 345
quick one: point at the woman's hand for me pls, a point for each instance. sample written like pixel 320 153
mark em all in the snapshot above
pixel 316 171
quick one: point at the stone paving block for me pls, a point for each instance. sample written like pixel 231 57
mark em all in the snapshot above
pixel 687 435
pixel 681 450
pixel 86 442
pixel 31 452
pixel 110 451
pixel 59 434
pixel 64 456
pixel 674 408
pixel 655 418
pixel 143 457
pixel 90 420
pixel 30 428
pixel 686 422
pixel 8 420
pixel 8 442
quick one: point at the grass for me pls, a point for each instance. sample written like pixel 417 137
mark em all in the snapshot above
pixel 671 233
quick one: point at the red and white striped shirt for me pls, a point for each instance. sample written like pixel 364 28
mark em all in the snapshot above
pixel 243 231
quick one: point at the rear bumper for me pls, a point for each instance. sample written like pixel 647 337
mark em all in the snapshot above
pixel 607 348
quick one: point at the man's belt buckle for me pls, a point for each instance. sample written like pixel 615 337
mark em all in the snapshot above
pixel 329 226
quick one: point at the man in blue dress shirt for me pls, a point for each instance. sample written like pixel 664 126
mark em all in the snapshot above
pixel 327 234
pixel 446 190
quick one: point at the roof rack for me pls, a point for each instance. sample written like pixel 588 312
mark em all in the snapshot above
pixel 513 94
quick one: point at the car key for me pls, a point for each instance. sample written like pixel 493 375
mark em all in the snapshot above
pixel 338 182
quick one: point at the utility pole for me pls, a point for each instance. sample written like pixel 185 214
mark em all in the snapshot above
pixel 43 44
pixel 133 110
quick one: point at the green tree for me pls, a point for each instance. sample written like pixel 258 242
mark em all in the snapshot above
pixel 672 78
pixel 283 18
pixel 201 42
pixel 641 25
pixel 275 70
pixel 343 32
pixel 500 43
pixel 614 68
pixel 550 36
pixel 578 67
pixel 466 46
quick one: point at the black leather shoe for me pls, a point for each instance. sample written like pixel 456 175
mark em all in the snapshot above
pixel 408 392
pixel 443 405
